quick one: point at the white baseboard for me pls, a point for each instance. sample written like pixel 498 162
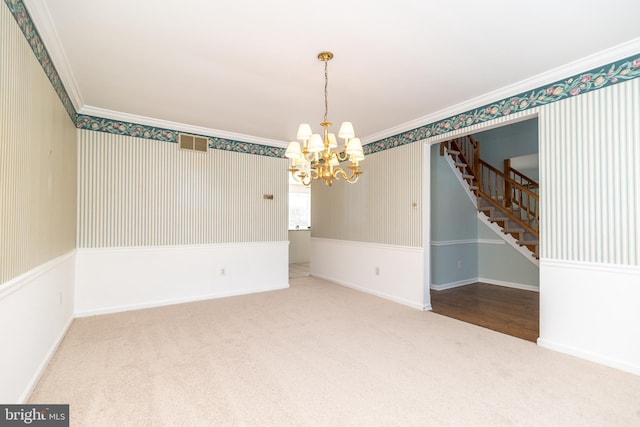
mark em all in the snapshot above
pixel 590 356
pixel 374 292
pixel 506 284
pixel 165 302
pixel 465 282
pixel 451 285
pixel 45 362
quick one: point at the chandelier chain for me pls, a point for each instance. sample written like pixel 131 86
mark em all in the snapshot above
pixel 326 92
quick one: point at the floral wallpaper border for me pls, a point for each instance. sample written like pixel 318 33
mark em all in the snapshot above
pixel 623 70
pixel 119 127
pixel 607 75
pixel 25 23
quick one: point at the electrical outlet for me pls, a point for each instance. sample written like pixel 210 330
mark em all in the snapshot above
pixel 59 298
pixel 459 263
pixel 377 271
pixel 222 272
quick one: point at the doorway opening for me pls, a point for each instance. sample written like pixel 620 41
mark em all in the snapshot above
pixel 478 272
pixel 299 229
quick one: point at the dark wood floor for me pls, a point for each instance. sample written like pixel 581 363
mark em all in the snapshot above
pixel 511 311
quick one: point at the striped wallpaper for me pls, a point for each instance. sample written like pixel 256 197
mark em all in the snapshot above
pixel 589 177
pixel 379 207
pixel 135 192
pixel 589 171
pixel 37 160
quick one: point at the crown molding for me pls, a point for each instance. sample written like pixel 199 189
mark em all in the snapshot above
pixel 41 18
pixel 601 58
pixel 180 127
pixel 43 22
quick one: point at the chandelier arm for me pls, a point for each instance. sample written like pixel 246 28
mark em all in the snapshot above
pixel 314 174
pixel 355 174
pixel 341 172
pixel 353 179
pixel 293 171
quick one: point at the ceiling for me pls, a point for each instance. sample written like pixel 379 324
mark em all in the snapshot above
pixel 249 69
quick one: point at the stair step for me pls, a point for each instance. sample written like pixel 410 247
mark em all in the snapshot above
pixel 513 230
pixel 498 219
pixel 454 152
pixel 467 176
pixel 473 187
pixel 528 242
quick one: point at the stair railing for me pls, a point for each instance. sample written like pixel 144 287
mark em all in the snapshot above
pixel 468 148
pixel 515 200
pixel 513 193
pixel 519 177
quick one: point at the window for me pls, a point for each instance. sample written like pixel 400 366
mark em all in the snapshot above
pixel 299 206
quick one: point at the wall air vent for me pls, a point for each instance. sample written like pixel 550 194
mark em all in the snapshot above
pixel 193 142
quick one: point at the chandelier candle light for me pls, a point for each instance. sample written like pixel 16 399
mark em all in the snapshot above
pixel 320 157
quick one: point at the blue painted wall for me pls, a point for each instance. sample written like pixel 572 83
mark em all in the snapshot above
pixel 453 218
pixel 501 143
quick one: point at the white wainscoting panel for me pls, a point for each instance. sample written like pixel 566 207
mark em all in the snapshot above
pixel 36 309
pixel 392 272
pixel 591 311
pixel 121 279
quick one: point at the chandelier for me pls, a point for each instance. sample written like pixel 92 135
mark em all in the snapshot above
pixel 319 157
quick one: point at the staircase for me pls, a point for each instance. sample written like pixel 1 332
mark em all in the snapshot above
pixel 507 198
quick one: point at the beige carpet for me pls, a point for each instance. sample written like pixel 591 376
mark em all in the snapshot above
pixel 319 354
pixel 300 269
